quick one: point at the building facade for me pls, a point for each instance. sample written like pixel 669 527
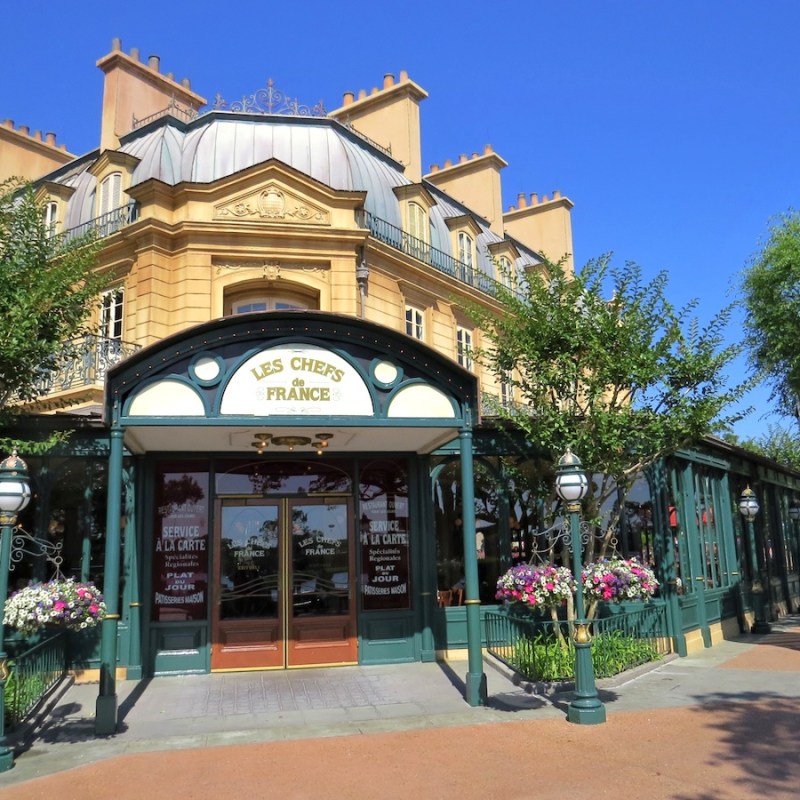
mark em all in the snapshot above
pixel 278 456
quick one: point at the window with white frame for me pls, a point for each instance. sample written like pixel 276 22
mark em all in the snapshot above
pixel 418 226
pixel 504 273
pixel 418 230
pixel 415 322
pixel 466 247
pixel 111 308
pixel 506 390
pixel 464 347
pixel 50 216
pixel 110 192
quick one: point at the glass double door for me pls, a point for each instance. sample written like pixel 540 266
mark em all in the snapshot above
pixel 284 583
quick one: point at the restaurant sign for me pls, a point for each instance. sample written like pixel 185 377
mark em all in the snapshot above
pixel 301 380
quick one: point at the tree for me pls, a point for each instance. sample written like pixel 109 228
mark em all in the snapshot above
pixel 622 381
pixel 771 294
pixel 47 289
pixel 778 444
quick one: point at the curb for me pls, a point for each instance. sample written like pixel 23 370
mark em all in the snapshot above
pixel 553 688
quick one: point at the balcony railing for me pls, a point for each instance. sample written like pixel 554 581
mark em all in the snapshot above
pixel 93 356
pixel 397 238
pixel 106 224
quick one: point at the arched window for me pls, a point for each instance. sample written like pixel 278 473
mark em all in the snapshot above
pixel 50 216
pixel 260 299
pixel 504 272
pixel 465 250
pixel 110 191
pixel 418 222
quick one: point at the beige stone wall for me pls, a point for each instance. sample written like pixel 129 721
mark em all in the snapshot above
pixel 28 155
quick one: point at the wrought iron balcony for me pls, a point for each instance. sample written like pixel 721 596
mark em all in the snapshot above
pixel 95 354
pixel 397 238
pixel 106 224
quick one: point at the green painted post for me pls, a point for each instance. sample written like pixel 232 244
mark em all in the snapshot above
pixel 476 691
pixel 6 532
pixel 106 706
pixel 748 508
pixel 585 708
pixel 15 494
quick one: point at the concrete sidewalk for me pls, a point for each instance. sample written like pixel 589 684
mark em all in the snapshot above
pixel 752 684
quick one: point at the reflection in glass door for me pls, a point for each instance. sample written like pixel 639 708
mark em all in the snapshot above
pixel 284 584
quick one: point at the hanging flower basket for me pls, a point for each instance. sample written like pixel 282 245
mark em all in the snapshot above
pixel 616 580
pixel 59 603
pixel 536 587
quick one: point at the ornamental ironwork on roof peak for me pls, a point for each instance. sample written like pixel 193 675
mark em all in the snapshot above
pixel 270 100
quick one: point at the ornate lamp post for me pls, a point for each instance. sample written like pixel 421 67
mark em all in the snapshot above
pixel 15 494
pixel 749 508
pixel 571 486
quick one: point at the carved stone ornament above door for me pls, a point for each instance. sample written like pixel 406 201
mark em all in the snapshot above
pixel 272 203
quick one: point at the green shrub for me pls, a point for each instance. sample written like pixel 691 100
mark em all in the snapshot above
pixel 544 658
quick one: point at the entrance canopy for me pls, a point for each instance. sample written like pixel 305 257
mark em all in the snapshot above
pixel 286 377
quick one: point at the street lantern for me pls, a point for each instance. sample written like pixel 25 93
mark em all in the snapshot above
pixel 794 511
pixel 572 485
pixel 749 508
pixel 748 505
pixel 15 494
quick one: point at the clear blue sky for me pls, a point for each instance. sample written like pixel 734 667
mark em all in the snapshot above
pixel 672 126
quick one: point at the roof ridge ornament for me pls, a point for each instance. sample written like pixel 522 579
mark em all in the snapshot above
pixel 270 100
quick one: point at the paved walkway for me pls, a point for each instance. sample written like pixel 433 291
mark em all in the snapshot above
pixel 721 724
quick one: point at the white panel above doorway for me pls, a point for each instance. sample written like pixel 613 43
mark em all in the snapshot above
pixel 301 380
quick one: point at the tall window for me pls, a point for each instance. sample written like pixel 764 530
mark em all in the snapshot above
pixel 50 216
pixel 465 248
pixel 111 306
pixel 417 222
pixel 110 190
pixel 504 274
pixel 506 390
pixel 418 231
pixel 464 347
pixel 415 322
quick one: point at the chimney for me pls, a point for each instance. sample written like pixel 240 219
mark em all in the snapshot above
pixel 133 89
pixel 390 117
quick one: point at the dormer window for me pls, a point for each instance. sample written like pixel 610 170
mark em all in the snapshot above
pixel 50 216
pixel 466 249
pixel 504 274
pixel 415 203
pixel 110 193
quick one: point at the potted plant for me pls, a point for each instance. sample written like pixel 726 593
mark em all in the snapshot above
pixel 61 603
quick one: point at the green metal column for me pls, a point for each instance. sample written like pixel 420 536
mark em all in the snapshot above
pixel 665 557
pixel 697 567
pixel 132 594
pixel 476 690
pixel 426 554
pixel 106 707
pixel 7 523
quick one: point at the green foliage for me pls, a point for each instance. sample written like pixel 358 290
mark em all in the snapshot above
pixel 47 289
pixel 771 292
pixel 778 444
pixel 603 363
pixel 546 658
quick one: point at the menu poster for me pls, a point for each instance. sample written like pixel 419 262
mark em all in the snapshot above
pixel 180 548
pixel 385 553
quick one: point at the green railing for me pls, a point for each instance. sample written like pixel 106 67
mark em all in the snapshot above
pixel 397 238
pixel 32 674
pixel 540 649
